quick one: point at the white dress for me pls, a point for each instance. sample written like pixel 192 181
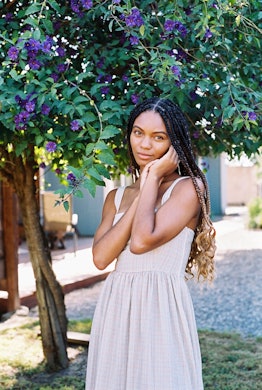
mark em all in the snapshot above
pixel 144 334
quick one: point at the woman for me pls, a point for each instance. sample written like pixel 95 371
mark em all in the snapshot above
pixel 144 334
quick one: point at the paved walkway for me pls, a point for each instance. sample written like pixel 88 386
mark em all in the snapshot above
pixel 232 303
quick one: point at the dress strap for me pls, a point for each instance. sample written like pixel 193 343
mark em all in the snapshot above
pixel 118 197
pixel 170 188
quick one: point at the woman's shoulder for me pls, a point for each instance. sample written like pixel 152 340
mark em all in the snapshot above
pixel 188 183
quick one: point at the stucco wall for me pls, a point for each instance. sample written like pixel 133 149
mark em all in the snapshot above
pixel 242 184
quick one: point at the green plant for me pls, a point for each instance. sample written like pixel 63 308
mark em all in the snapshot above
pixel 255 213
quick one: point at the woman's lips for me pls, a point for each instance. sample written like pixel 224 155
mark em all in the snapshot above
pixel 144 156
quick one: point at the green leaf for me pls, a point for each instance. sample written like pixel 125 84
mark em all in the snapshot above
pixel 90 186
pixel 33 9
pixel 14 75
pixel 20 147
pixel 37 34
pixel 105 157
pixel 78 194
pixel 109 132
pixel 89 148
pixel 101 145
pixel 66 205
pixel 54 5
pixel 142 30
pixel 102 170
pixel 93 173
pixel 48 26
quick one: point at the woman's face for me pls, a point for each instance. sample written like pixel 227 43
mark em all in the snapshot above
pixel 149 139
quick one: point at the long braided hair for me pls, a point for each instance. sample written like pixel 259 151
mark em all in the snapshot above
pixel 203 246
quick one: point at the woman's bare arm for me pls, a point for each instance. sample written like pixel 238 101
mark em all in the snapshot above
pixel 151 229
pixel 109 239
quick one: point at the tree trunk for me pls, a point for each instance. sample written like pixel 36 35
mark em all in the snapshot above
pixel 52 314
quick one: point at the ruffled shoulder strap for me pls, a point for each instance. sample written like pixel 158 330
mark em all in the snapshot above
pixel 118 197
pixel 170 188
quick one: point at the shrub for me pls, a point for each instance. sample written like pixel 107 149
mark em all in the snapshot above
pixel 255 213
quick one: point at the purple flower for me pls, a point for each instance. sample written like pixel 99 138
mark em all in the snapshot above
pixel 13 53
pixel 181 28
pixel 135 98
pixel 54 76
pixel 42 165
pixel 45 109
pixel 47 45
pixel 61 68
pixel 252 116
pixel 21 120
pixel 32 45
pixel 51 146
pixel 134 40
pixel 100 63
pixel 30 106
pixel 105 90
pixel 193 95
pixel 87 4
pixel 108 78
pixel 116 151
pixel 125 78
pixel 196 134
pixel 208 34
pixel 175 70
pixel 169 25
pixel 9 17
pixel 75 5
pixel 34 64
pixel 18 100
pixel 60 51
pixel 116 1
pixel 58 171
pixel 75 126
pixel 71 178
pixel 134 19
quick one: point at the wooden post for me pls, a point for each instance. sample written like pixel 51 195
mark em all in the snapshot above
pixel 10 239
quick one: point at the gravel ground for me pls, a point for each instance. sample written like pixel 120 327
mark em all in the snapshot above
pixel 234 300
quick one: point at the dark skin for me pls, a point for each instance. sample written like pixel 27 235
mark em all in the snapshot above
pixel 145 228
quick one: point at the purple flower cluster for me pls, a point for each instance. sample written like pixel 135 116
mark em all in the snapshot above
pixel 171 25
pixel 35 47
pixel 134 19
pixel 28 106
pixel 78 6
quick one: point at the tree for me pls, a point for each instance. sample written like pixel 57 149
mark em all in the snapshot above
pixel 70 73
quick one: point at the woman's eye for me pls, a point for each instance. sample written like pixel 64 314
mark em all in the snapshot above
pixel 137 132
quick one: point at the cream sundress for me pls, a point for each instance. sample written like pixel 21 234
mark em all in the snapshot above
pixel 144 334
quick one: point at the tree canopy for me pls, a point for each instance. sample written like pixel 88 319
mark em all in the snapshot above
pixel 71 71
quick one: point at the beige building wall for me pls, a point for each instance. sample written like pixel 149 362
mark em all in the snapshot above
pixel 241 184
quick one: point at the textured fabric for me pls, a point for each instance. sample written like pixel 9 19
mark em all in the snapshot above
pixel 144 334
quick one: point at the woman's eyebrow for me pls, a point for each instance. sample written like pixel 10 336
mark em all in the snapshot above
pixel 154 131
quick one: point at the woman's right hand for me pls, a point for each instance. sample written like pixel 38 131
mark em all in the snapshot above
pixel 161 167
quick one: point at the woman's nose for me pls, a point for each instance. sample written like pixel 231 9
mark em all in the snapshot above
pixel 146 142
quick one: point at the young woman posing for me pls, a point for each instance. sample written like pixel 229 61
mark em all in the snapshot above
pixel 144 334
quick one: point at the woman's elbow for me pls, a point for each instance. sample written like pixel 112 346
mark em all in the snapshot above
pixel 137 248
pixel 99 261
